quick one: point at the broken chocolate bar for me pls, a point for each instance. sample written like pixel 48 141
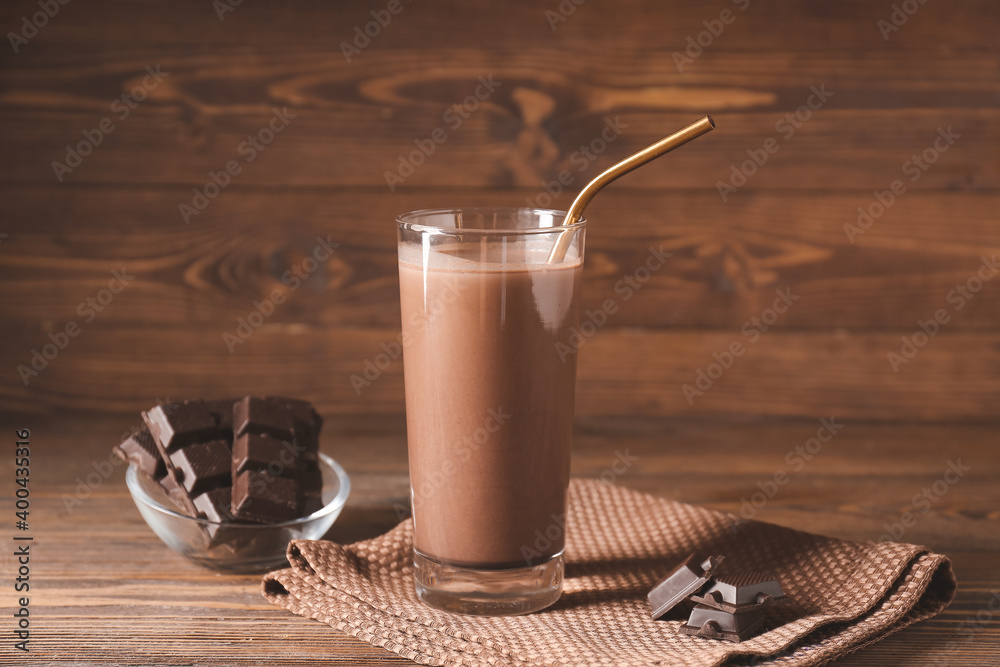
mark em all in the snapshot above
pixel 263 453
pixel 263 416
pixel 215 505
pixel 174 426
pixel 260 497
pixel 276 438
pixel 741 591
pixel 687 578
pixel 311 487
pixel 176 492
pixel 708 621
pixel 283 419
pixel 744 587
pixel 232 460
pixel 183 433
pixel 730 608
pixel 140 450
pixel 203 466
pixel 307 421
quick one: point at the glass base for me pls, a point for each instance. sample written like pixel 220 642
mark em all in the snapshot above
pixel 462 590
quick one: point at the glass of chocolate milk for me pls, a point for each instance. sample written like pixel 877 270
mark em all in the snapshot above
pixel 489 371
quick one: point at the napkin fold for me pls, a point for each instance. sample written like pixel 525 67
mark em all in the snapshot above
pixel 840 595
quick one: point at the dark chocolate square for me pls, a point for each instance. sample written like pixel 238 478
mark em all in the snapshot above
pixel 310 487
pixel 204 466
pixel 216 504
pixel 305 417
pixel 177 494
pixel 263 416
pixel 708 621
pixel 687 578
pixel 176 425
pixel 222 409
pixel 259 497
pixel 741 588
pixel 139 450
pixel 265 454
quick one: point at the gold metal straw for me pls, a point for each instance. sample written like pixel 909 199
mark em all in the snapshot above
pixel 648 154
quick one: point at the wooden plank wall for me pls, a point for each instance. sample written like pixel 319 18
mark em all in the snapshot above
pixel 889 95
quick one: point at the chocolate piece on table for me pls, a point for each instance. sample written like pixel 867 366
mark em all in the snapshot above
pixel 140 450
pixel 263 416
pixel 740 591
pixel 260 497
pixel 205 466
pixel 708 621
pixel 687 578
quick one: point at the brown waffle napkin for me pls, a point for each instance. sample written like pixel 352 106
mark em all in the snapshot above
pixel 840 595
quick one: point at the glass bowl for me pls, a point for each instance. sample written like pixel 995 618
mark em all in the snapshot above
pixel 236 547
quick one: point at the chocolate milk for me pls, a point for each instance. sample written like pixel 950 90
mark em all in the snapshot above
pixel 489 401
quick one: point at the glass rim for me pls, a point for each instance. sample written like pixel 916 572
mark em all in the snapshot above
pixel 408 220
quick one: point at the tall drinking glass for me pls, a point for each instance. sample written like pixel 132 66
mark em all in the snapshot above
pixel 490 368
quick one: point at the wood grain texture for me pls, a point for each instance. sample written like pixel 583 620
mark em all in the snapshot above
pixel 726 260
pixel 621 372
pixel 112 594
pixel 524 135
pixel 353 120
pixel 827 353
pixel 324 175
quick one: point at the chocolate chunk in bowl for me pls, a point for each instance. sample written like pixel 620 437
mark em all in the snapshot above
pixel 233 481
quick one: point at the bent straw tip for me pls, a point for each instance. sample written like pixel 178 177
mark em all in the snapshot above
pixel 711 121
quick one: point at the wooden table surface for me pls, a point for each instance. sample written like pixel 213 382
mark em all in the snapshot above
pixel 105 591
